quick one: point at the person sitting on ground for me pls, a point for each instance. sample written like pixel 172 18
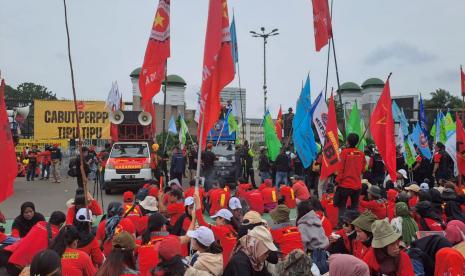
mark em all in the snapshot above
pixel 131 209
pixel 218 197
pixel 235 207
pixel 208 256
pixel 413 190
pixel 404 224
pixel 362 242
pixel 455 233
pixel 342 240
pixel 223 230
pixel 269 195
pixel 449 261
pixel 285 234
pixel 73 261
pixel 191 190
pixel 289 196
pixel 148 207
pixel 310 227
pixel 428 220
pixel 251 220
pixel 385 255
pixel 376 204
pixel 121 261
pixel 321 213
pixel 175 209
pixel 26 220
pixel 453 211
pixel 343 264
pixel 300 189
pixel 391 195
pixel 37 239
pixel 44 263
pixel 87 241
pixel 79 202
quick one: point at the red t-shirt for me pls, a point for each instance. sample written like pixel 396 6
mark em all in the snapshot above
pixel 352 165
pixel 377 207
pixel 93 206
pixel 148 254
pixel 174 211
pixel 300 190
pixel 255 200
pixel 223 233
pixel 219 199
pixel 437 157
pixel 331 211
pixel 124 225
pixel 413 201
pixel 432 224
pixel 327 225
pixel 191 190
pixel 93 250
pixel 74 262
pixel 269 195
pixel 133 215
pixel 287 238
pixel 359 249
pixel 404 268
pixel 289 196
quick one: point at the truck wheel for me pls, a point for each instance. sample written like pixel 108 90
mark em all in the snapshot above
pixel 108 191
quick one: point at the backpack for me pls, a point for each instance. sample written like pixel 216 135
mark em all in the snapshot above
pixel 296 263
pixel 320 258
pixel 73 167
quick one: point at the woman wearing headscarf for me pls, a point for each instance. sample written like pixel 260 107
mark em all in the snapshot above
pixel 449 262
pixel 24 222
pixel 343 264
pixel 385 257
pixel 455 233
pixel 428 219
pixel 453 211
pixel 404 224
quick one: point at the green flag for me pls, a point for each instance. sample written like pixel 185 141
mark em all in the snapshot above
pixel 410 153
pixel 271 139
pixel 356 125
pixel 183 131
pixel 449 127
pixel 233 127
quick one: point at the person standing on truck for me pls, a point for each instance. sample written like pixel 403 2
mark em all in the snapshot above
pixel 55 154
pixel 178 165
pixel 208 162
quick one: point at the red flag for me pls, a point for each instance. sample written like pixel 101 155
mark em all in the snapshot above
pixel 382 130
pixel 462 81
pixel 218 65
pixel 321 23
pixel 9 167
pixel 460 135
pixel 156 54
pixel 114 132
pixel 330 149
pixel 279 124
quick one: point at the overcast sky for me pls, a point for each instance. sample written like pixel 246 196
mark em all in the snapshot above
pixel 421 41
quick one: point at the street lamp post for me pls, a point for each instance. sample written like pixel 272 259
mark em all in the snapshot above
pixel 265 36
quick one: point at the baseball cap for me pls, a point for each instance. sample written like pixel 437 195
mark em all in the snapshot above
pixel 403 173
pixel 203 234
pixel 424 187
pixel 235 203
pixel 223 213
pixel 188 201
pixel 124 241
pixel 252 217
pixel 128 196
pixel 84 215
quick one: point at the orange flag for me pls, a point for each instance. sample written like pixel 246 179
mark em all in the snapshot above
pixel 330 149
pixel 279 124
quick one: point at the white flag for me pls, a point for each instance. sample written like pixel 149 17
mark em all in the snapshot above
pixel 197 110
pixel 114 98
pixel 320 117
pixel 451 149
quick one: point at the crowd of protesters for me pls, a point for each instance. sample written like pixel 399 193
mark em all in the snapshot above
pixel 358 222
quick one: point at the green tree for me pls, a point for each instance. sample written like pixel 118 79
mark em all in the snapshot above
pixel 442 99
pixel 28 92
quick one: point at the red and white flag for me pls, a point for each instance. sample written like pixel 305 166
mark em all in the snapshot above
pixel 218 65
pixel 153 70
pixel 330 151
pixel 9 167
pixel 321 23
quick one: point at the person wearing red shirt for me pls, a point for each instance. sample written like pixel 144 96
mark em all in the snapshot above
pixel 269 195
pixel 131 210
pixel 78 203
pixel 391 203
pixel 45 161
pixel 175 209
pixel 375 204
pixel 222 229
pixel 349 184
pixel 218 198
pixel 191 190
pixel 26 220
pixel 327 201
pixel 413 190
pixel 321 213
pixel 300 189
pixel 362 242
pixel 385 256
pixel 121 261
pixel 342 240
pixel 288 194
pixel 87 241
pixel 285 234
pixel 428 219
pixel 36 240
pixel 73 261
pixel 243 187
pixel 148 206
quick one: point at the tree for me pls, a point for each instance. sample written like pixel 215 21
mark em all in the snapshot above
pixel 442 99
pixel 28 92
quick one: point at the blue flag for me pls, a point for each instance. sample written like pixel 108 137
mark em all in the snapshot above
pixel 172 126
pixel 422 116
pixel 399 117
pixel 419 138
pixel 235 52
pixel 304 139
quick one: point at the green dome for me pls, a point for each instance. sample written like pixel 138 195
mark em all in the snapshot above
pixel 350 87
pixel 175 80
pixel 135 73
pixel 373 82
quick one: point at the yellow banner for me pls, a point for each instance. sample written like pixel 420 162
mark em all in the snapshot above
pixel 23 143
pixel 57 120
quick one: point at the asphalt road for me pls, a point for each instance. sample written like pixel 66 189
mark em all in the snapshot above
pixel 46 195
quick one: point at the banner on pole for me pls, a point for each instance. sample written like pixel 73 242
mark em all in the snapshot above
pixel 57 120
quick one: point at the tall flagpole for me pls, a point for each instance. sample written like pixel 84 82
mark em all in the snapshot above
pixel 164 105
pixel 240 87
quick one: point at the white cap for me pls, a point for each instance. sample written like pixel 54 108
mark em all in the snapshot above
pixel 223 213
pixel 202 234
pixel 403 173
pixel 235 203
pixel 188 201
pixel 84 215
pixel 424 187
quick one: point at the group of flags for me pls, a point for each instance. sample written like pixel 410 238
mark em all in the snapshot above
pixel 183 129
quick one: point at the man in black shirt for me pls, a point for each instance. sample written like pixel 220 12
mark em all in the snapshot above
pixel 264 166
pixel 208 163
pixel 283 165
pixel 192 158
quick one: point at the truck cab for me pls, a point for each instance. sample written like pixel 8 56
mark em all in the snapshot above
pixel 128 166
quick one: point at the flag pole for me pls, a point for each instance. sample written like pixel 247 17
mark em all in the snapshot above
pixel 164 103
pixel 463 116
pixel 78 117
pixel 199 156
pixel 327 69
pixel 240 87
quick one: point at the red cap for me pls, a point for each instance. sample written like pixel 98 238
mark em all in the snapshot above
pixel 169 248
pixel 209 145
pixel 154 192
pixel 128 196
pixel 125 225
pixel 146 186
